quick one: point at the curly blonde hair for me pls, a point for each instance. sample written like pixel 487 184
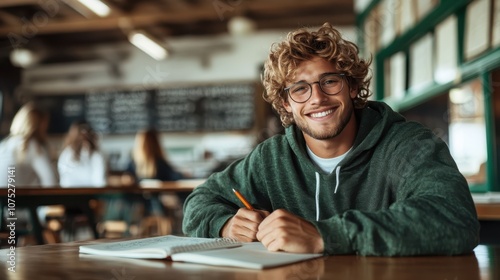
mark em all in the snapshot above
pixel 302 45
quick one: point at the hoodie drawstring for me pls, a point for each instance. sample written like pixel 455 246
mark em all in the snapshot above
pixel 337 176
pixel 317 196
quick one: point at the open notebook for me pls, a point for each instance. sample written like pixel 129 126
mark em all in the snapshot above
pixel 210 251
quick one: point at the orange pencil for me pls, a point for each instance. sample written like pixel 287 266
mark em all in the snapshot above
pixel 243 200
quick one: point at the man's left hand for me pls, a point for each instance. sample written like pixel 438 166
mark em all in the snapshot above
pixel 283 231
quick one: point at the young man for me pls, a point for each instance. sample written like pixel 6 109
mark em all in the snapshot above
pixel 349 176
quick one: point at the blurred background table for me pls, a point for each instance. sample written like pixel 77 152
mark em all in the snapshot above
pixel 85 199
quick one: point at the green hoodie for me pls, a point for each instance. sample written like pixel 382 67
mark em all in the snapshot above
pixel 398 192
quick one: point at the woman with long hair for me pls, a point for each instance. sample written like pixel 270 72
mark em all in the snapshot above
pixel 148 159
pixel 81 164
pixel 149 162
pixel 25 158
pixel 25 150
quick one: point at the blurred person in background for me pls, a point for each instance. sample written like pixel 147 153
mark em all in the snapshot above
pixel 149 164
pixel 25 149
pixel 25 157
pixel 81 163
pixel 149 161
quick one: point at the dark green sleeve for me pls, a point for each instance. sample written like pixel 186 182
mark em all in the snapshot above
pixel 210 205
pixel 207 209
pixel 433 212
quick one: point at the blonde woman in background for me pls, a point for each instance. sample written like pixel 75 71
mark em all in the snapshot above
pixel 81 164
pixel 25 149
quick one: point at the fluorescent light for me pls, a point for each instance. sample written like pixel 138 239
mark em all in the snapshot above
pixel 97 7
pixel 148 45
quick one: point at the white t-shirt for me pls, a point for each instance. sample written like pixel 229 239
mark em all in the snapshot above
pixel 89 171
pixel 34 169
pixel 326 164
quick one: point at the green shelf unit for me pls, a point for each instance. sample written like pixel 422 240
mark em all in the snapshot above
pixel 480 67
pixel 444 9
pixel 468 71
pixel 492 166
pixel 404 41
pixel 478 188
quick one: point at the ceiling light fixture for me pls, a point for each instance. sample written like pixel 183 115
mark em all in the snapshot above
pixel 97 7
pixel 23 58
pixel 148 45
pixel 240 25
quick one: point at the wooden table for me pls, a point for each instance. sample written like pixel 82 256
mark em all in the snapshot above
pixel 488 211
pixel 32 198
pixel 487 205
pixel 62 261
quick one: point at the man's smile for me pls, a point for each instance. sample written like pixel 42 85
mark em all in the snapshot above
pixel 321 114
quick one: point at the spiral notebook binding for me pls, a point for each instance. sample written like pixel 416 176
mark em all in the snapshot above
pixel 217 243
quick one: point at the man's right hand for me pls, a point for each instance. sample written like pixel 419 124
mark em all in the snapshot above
pixel 244 225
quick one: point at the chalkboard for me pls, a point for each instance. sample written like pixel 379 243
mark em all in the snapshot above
pixel 195 108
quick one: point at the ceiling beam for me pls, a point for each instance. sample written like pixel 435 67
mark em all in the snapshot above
pixel 15 3
pixel 9 18
pixel 309 21
pixel 268 14
pixel 111 23
pixel 272 6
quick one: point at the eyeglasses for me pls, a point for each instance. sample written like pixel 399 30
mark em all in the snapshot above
pixel 330 84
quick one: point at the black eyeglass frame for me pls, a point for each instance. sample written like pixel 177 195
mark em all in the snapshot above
pixel 342 75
